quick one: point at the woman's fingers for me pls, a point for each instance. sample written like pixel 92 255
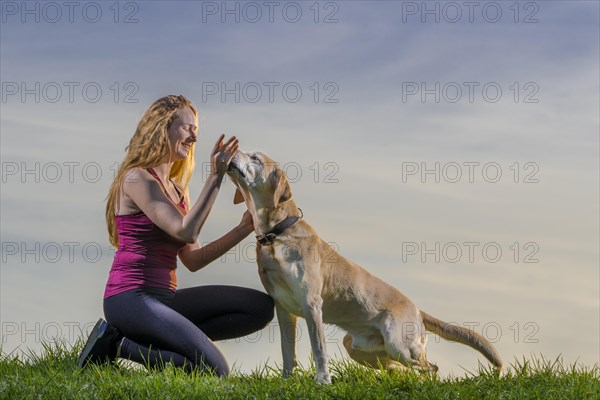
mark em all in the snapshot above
pixel 231 140
pixel 223 153
pixel 228 143
pixel 232 152
pixel 230 147
pixel 218 144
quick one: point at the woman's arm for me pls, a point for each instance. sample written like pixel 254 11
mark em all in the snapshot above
pixel 146 193
pixel 195 257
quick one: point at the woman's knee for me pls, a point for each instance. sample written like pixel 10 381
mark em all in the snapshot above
pixel 210 358
pixel 265 310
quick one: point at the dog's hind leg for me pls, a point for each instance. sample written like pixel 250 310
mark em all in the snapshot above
pixel 374 359
pixel 405 341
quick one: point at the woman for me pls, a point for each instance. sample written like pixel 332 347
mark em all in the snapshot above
pixel 150 222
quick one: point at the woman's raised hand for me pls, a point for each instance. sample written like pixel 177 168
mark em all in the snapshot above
pixel 222 155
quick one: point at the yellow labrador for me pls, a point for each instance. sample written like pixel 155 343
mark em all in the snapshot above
pixel 308 279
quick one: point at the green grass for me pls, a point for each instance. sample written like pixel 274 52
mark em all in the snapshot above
pixel 53 375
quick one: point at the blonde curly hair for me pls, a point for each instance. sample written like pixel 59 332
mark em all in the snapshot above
pixel 150 147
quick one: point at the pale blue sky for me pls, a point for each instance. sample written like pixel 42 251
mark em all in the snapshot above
pixel 351 154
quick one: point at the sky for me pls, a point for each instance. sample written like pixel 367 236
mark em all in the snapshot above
pixel 450 148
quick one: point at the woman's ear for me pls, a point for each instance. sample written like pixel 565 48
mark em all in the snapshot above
pixel 238 198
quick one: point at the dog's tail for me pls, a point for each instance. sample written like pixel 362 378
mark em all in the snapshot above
pixel 462 335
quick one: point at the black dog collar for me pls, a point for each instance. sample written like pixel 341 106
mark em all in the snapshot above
pixel 269 237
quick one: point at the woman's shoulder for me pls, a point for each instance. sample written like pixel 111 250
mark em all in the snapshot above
pixel 131 189
pixel 136 175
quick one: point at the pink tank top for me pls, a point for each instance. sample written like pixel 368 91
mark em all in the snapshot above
pixel 146 255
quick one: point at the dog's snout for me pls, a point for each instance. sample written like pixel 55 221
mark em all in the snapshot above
pixel 233 167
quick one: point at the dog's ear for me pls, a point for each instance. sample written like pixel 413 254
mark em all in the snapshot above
pixel 283 192
pixel 238 198
pixel 287 193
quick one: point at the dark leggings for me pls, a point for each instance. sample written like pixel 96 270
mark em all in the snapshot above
pixel 160 325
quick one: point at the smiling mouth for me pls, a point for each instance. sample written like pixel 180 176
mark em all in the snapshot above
pixel 186 146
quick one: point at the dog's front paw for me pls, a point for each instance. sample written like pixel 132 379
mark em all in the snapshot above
pixel 324 378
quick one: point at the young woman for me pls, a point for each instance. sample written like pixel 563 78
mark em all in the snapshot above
pixel 151 221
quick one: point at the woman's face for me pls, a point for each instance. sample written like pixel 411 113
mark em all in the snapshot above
pixel 182 133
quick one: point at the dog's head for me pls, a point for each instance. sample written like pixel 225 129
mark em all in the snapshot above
pixel 259 180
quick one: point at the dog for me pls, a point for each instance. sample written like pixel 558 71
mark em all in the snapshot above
pixel 308 279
